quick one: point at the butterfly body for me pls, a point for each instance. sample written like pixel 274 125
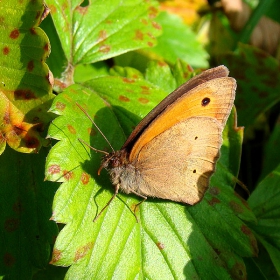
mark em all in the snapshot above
pixel 172 152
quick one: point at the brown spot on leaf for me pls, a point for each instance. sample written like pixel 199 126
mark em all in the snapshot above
pixel 263 94
pixel 161 64
pixel 128 81
pixel 102 35
pixel 68 175
pixel 6 50
pixel 160 245
pixel 124 98
pixel 235 207
pixel 46 47
pixel 30 66
pixel 82 10
pixel 82 251
pixel 238 271
pixel 156 25
pixel 150 35
pixel 104 48
pixel 24 94
pixel 152 12
pixel 11 224
pixel 71 129
pixel 244 202
pixel 52 8
pixel 85 178
pixel 139 35
pixel 31 142
pixel 150 44
pixel 144 21
pixel 145 90
pixel 214 201
pixel 143 100
pixel 54 169
pixel 33 31
pixel 9 259
pixel 214 191
pixel 56 256
pixel 14 34
pixel 17 207
pixel 253 241
pixel 246 230
pixel 37 14
pixel 60 106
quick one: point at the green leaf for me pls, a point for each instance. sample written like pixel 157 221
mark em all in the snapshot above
pixel 25 80
pixel 264 202
pixel 271 152
pixel 103 29
pixel 171 241
pixel 85 72
pixel 27 234
pixel 258 81
pixel 56 60
pixel 179 41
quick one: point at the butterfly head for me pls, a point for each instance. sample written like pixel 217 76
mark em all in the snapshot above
pixel 114 160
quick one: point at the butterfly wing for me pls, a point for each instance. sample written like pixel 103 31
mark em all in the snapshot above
pixel 178 163
pixel 208 75
pixel 219 94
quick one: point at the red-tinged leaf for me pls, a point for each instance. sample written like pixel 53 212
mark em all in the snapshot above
pixel 25 87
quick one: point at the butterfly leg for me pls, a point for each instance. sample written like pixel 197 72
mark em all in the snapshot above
pixel 139 203
pixel 108 203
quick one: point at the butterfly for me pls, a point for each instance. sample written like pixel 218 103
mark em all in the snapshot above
pixel 172 153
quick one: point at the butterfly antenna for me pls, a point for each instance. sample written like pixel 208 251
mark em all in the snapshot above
pixel 90 118
pixel 96 150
